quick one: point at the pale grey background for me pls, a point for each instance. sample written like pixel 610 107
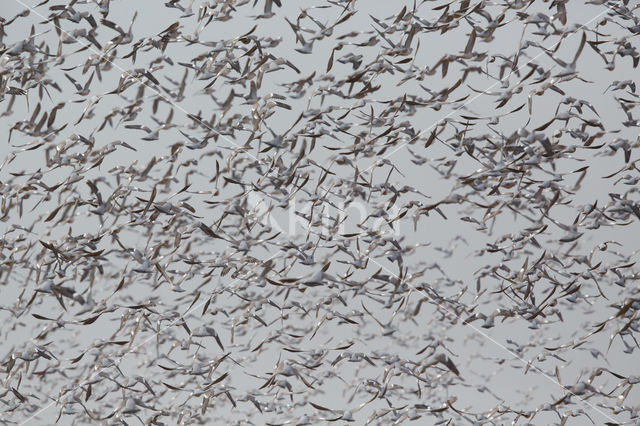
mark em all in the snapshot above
pixel 509 383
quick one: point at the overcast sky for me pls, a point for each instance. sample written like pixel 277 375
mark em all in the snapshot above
pixel 456 245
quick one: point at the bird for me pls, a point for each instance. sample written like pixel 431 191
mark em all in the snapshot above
pixel 205 220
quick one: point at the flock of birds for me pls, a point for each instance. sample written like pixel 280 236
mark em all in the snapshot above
pixel 259 213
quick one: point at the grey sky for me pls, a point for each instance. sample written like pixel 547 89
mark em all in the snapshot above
pixel 458 246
